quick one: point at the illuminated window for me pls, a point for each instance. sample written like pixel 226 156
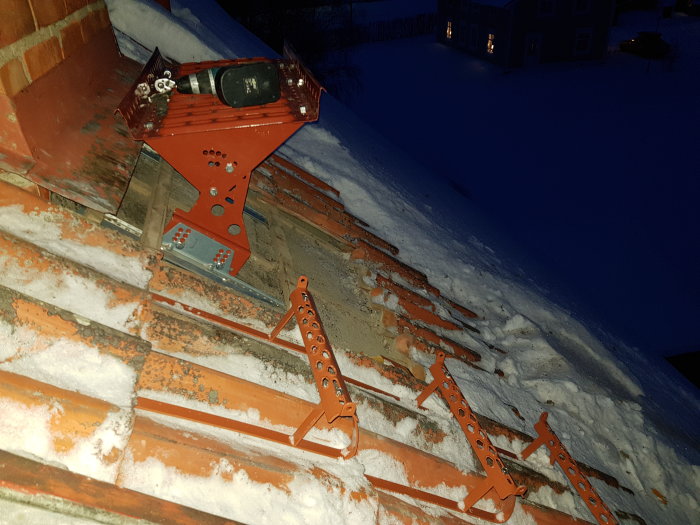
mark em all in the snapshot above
pixel 489 44
pixel 448 31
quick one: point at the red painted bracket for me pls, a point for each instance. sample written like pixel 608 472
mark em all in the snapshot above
pixel 335 398
pixel 558 454
pixel 216 147
pixel 497 477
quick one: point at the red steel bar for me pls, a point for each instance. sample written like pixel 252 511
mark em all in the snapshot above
pixel 197 416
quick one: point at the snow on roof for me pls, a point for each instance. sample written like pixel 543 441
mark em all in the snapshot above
pixel 90 346
pixel 381 186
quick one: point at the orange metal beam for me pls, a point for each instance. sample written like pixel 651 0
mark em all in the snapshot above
pixel 198 416
pixel 31 477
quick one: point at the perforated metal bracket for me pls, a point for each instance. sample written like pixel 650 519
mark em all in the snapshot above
pixel 335 398
pixel 335 402
pixel 216 147
pixel 497 477
pixel 558 454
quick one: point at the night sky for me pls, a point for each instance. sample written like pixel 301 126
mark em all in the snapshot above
pixel 591 168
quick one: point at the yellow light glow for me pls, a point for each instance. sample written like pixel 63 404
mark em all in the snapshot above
pixel 448 31
pixel 489 44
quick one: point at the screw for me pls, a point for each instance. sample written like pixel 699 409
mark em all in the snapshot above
pixel 148 125
pixel 229 167
pixel 504 470
pixel 179 245
pixel 300 82
pixel 302 110
pixel 213 192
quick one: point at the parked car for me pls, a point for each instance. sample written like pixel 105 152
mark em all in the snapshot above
pixel 647 44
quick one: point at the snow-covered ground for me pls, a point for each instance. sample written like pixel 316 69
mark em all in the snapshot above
pixel 600 403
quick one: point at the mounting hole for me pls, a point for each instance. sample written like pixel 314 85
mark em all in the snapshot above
pixel 234 229
pixel 489 461
pixel 210 164
pixel 217 210
pixel 479 443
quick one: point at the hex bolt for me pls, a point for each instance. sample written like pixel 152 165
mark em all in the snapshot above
pixel 229 167
pixel 302 110
pixel 213 192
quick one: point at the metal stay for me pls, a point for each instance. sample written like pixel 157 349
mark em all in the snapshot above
pixel 335 398
pixel 497 477
pixel 335 401
pixel 559 454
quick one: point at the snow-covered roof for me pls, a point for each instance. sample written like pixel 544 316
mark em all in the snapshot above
pixel 90 321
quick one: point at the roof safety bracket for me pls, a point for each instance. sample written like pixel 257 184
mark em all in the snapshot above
pixel 558 454
pixel 335 402
pixel 335 398
pixel 497 477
